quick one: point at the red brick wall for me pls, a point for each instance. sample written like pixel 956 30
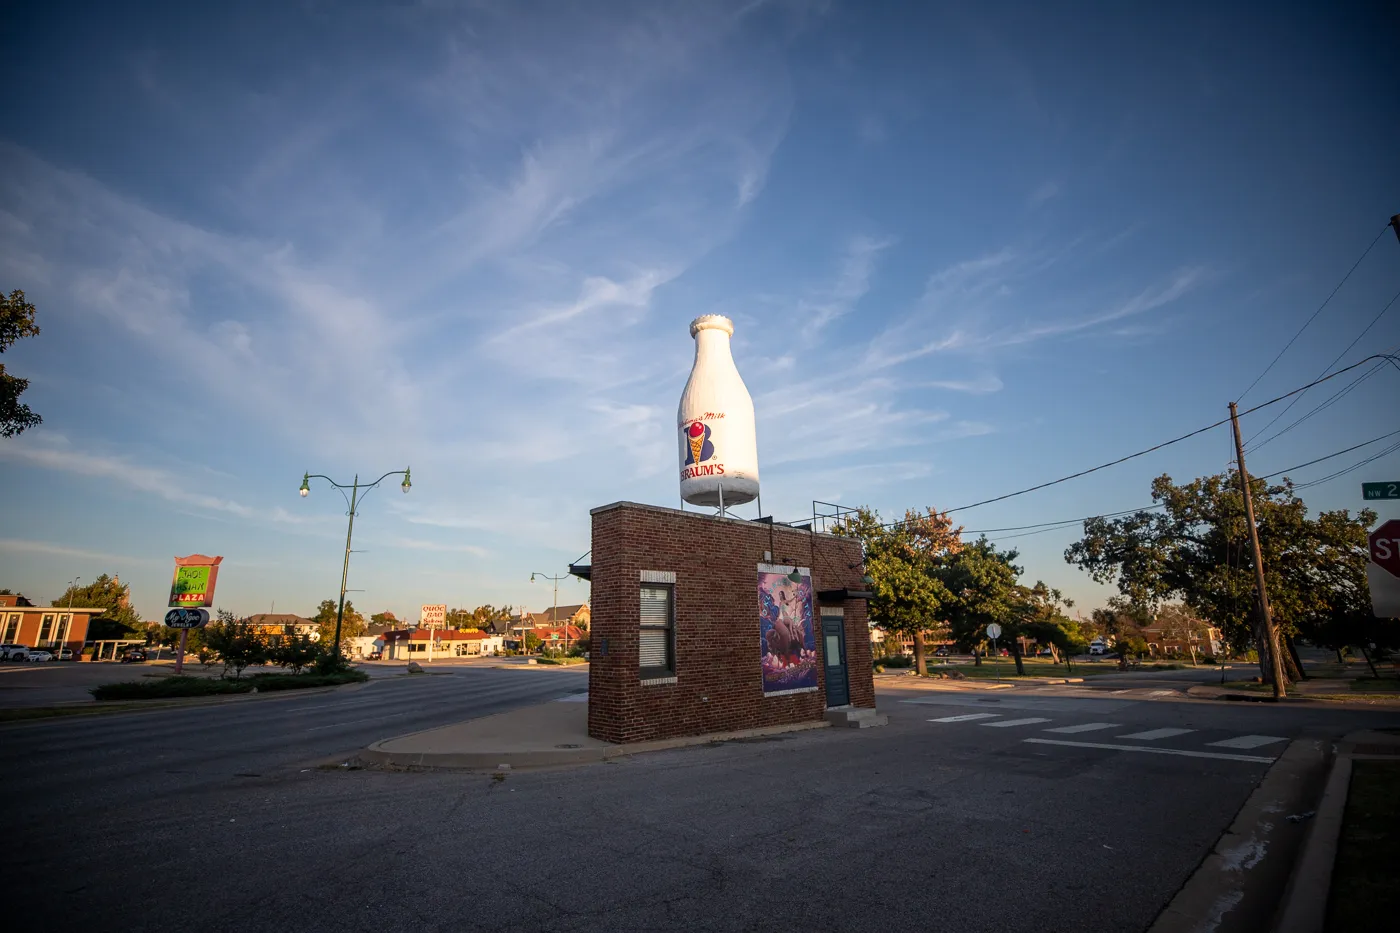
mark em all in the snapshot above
pixel 719 682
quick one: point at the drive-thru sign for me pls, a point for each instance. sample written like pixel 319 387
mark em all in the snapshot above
pixel 1383 572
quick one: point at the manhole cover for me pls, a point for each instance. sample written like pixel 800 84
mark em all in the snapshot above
pixel 568 746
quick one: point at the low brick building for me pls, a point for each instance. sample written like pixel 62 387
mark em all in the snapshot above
pixel 707 624
pixel 47 627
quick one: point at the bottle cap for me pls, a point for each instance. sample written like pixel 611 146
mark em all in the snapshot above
pixel 712 322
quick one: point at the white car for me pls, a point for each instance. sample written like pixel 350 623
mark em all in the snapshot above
pixel 39 654
pixel 1097 648
pixel 14 653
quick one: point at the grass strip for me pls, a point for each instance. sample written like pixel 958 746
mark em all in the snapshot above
pixel 182 686
pixel 1364 894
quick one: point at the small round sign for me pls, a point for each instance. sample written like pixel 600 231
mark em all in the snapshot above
pixel 187 618
pixel 994 631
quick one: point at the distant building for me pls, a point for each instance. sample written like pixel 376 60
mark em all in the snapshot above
pixel 48 627
pixel 428 645
pixel 283 623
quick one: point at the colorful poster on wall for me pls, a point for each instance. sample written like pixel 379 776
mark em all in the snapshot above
pixel 787 635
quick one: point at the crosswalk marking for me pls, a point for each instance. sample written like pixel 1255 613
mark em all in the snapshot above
pixel 1248 741
pixel 1150 750
pixel 1153 735
pixel 1085 727
pixel 967 717
pixel 1013 722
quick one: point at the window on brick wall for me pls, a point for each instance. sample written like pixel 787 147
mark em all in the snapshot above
pixel 657 641
pixel 45 629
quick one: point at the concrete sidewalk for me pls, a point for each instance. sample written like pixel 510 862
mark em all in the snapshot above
pixel 550 734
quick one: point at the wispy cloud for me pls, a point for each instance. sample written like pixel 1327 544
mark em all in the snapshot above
pixel 21 546
pixel 850 286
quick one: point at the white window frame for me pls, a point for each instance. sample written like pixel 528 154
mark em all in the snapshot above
pixel 667 584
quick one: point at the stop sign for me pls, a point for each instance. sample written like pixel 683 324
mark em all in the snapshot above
pixel 1385 547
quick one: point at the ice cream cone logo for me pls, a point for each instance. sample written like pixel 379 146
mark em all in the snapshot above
pixel 698 436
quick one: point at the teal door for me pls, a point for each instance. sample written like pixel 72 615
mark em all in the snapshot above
pixel 838 688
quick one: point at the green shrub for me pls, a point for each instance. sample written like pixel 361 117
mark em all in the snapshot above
pixel 170 687
pixel 898 660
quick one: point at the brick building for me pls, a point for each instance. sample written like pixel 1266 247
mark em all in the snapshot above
pixel 48 627
pixel 683 634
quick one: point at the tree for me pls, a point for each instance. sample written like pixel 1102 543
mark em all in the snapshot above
pixel 904 562
pixel 16 323
pixel 1179 623
pixel 233 640
pixel 1041 609
pixel 532 642
pixel 1120 623
pixel 294 651
pixel 111 594
pixel 352 624
pixel 982 585
pixel 1197 550
pixel 383 618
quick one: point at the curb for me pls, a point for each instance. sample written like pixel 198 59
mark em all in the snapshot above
pixel 1235 885
pixel 472 761
pixel 1305 908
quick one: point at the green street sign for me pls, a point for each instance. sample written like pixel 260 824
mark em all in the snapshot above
pixel 1380 490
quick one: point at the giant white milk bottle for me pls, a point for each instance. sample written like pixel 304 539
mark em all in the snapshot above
pixel 718 445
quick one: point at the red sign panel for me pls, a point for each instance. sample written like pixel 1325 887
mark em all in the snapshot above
pixel 1385 547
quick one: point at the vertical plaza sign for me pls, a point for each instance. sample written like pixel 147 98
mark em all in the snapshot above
pixel 193 586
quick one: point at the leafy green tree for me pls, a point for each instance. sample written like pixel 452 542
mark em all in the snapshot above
pixel 1197 549
pixel 352 624
pixel 294 651
pixel 1121 623
pixel 982 583
pixel 904 561
pixel 1179 623
pixel 234 641
pixel 381 618
pixel 1042 619
pixel 109 593
pixel 16 323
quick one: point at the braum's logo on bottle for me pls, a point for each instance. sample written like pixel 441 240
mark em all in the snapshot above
pixel 699 449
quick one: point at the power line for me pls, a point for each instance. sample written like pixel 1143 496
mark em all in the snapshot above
pixel 1053 526
pixel 1175 440
pixel 1363 333
pixel 1345 470
pixel 1329 456
pixel 1314 314
pixel 1331 400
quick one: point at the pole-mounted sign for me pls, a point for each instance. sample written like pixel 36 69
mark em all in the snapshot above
pixel 1380 490
pixel 194 581
pixel 187 618
pixel 1383 571
pixel 190 590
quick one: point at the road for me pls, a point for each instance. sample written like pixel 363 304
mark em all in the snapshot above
pixel 1006 812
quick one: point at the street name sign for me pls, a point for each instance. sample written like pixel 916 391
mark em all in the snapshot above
pixel 1383 571
pixel 1381 490
pixel 187 618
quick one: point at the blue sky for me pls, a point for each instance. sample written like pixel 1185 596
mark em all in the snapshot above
pixel 965 251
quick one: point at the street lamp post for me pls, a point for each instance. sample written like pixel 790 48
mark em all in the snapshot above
pixel 354 501
pixel 68 625
pixel 554 616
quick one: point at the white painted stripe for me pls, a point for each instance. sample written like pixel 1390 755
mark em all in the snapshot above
pixel 1248 741
pixel 351 722
pixel 1153 735
pixel 1162 693
pixel 1012 722
pixel 1155 751
pixel 967 717
pixel 1085 727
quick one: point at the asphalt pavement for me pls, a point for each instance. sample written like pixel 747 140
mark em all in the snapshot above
pixel 219 818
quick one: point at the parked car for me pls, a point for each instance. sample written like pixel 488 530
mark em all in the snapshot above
pixel 134 655
pixel 1045 652
pixel 379 655
pixel 1097 648
pixel 65 654
pixel 39 654
pixel 14 653
pixel 942 651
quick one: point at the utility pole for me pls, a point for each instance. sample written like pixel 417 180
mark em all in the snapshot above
pixel 1395 225
pixel 1265 632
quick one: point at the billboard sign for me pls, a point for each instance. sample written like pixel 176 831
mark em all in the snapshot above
pixel 433 616
pixel 187 618
pixel 193 585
